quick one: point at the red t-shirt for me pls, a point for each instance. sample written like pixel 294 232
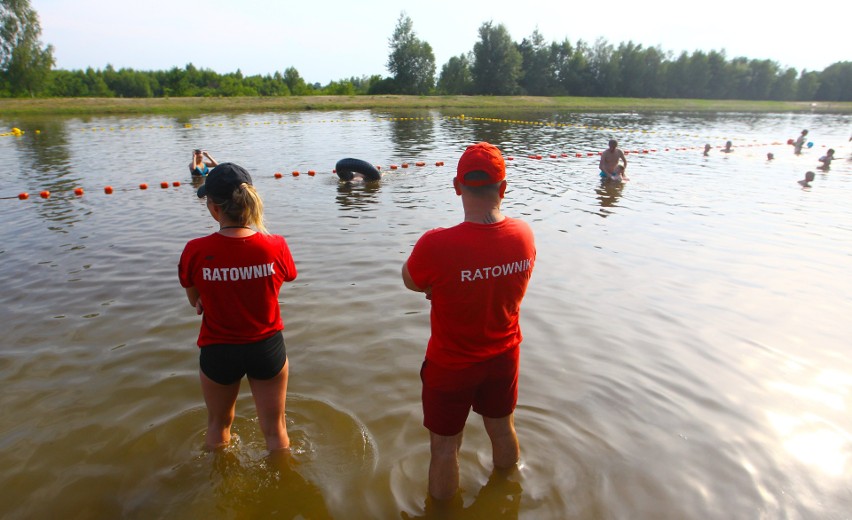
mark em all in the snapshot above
pixel 478 274
pixel 238 279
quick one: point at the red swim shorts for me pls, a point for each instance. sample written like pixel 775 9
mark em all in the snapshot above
pixel 489 387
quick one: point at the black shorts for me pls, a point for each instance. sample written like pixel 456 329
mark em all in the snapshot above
pixel 226 363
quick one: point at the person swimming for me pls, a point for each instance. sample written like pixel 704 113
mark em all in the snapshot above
pixel 199 167
pixel 610 161
pixel 800 142
pixel 809 178
pixel 826 159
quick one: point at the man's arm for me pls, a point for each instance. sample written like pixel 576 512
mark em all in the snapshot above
pixel 406 279
pixel 409 283
pixel 623 158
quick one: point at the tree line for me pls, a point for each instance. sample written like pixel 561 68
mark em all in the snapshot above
pixel 497 65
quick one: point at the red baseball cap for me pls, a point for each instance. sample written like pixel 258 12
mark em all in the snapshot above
pixel 483 157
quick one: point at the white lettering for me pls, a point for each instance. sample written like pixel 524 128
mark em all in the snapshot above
pixel 233 274
pixel 486 273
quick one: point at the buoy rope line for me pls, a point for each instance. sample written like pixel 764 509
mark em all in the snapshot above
pixel 79 191
pixel 403 165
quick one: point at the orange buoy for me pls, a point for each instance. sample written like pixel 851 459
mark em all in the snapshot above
pixel 590 154
pixel 278 175
pixel 393 167
pixel 143 186
pixel 295 173
pixel 578 154
pixel 405 165
pixel 108 190
pixel 378 167
pixel 420 163
pixel 510 158
pixel 311 173
pixel 164 185
pixel 45 194
pixel 564 155
pixel 176 184
pixel 78 191
pixel 23 196
pixel 553 156
pixel 790 141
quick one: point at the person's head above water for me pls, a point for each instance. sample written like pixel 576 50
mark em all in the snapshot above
pixel 613 144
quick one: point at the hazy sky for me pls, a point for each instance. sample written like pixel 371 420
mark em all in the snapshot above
pixel 336 39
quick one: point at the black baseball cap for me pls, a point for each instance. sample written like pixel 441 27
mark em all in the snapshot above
pixel 223 180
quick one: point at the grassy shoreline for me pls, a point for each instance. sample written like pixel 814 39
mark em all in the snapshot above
pixel 118 106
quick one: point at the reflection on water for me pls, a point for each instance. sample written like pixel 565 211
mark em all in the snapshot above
pixel 273 486
pixel 499 498
pixel 357 195
pixel 684 357
pixel 608 194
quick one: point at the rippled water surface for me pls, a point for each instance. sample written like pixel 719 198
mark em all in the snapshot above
pixel 686 348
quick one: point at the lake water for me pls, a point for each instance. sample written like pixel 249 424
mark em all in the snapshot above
pixel 686 348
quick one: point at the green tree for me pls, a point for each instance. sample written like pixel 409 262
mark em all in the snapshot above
pixel 835 82
pixel 784 88
pixel 807 86
pixel 604 65
pixel 577 77
pixel 719 84
pixel 455 76
pixel 538 71
pixel 411 61
pixel 496 62
pixel 294 82
pixel 24 63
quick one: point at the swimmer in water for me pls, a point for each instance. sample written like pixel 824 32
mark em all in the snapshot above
pixel 799 143
pixel 609 162
pixel 707 148
pixel 728 147
pixel 201 163
pixel 809 178
pixel 770 156
pixel 826 159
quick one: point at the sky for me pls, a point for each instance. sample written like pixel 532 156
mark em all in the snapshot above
pixel 330 40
